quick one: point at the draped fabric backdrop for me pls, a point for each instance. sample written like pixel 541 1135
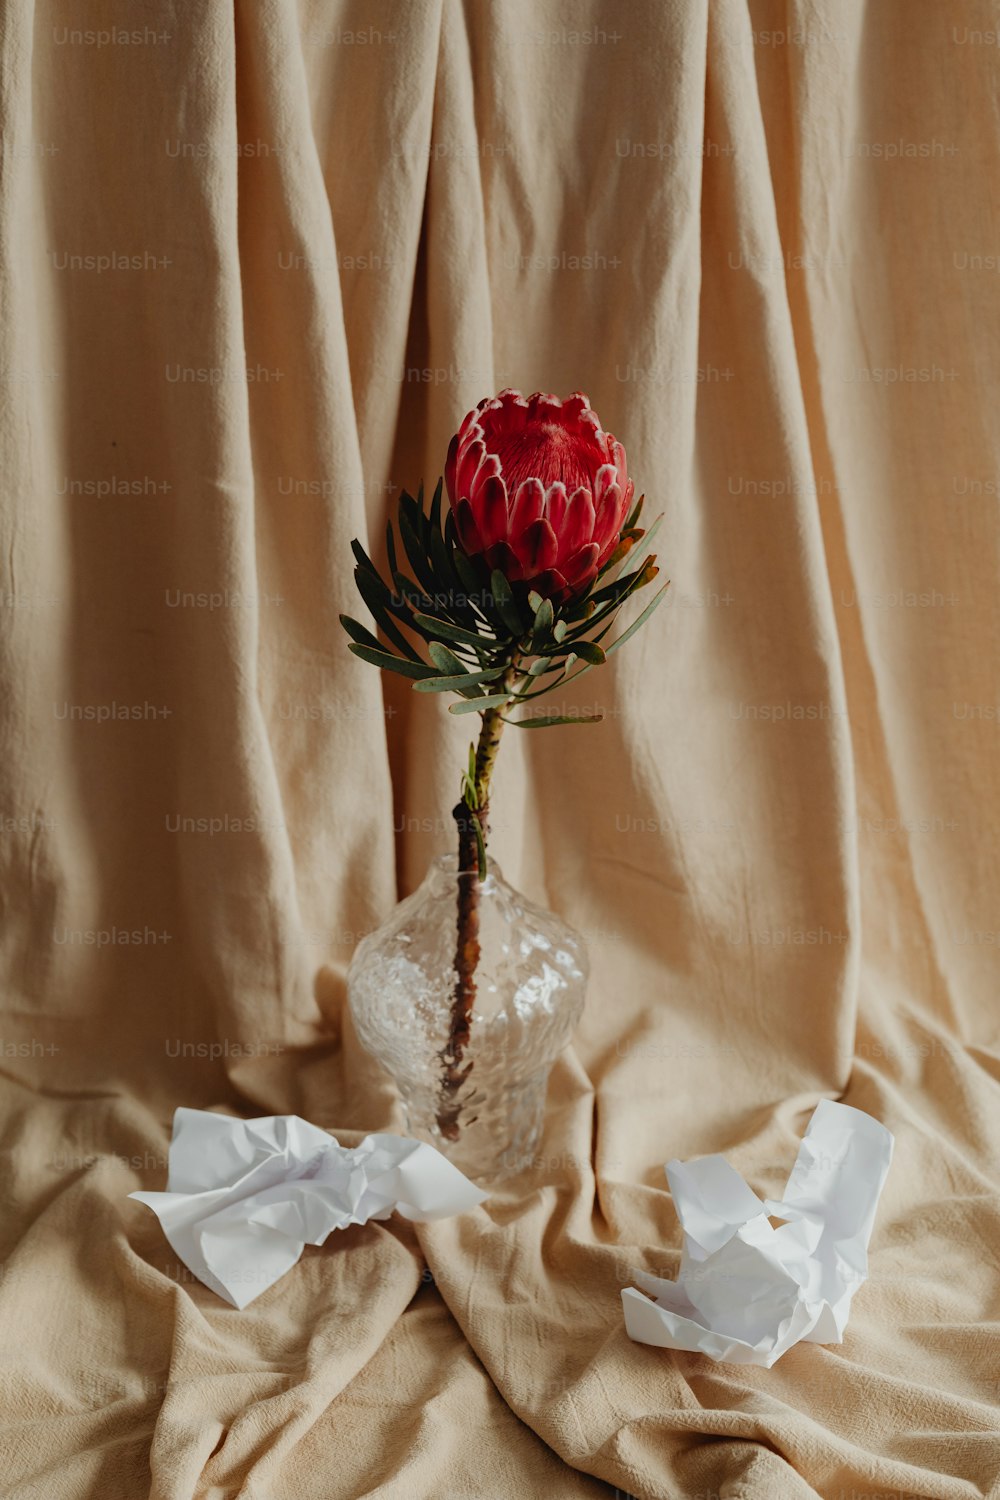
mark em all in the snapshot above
pixel 258 259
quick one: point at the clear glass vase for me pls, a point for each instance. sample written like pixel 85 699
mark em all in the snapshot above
pixel 530 982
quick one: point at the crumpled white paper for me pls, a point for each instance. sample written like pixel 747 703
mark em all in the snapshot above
pixel 244 1197
pixel 747 1291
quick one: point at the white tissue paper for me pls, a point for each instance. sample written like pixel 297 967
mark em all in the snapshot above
pixel 244 1197
pixel 747 1291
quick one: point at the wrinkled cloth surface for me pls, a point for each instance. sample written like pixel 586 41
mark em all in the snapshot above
pixel 257 259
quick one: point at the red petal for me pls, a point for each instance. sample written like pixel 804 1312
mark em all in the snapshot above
pixel 502 556
pixel 491 511
pixel 468 462
pixel 617 455
pixel 468 531
pixel 582 567
pixel 489 466
pixel 548 404
pixel 526 505
pixel 555 505
pixel 610 513
pixel 551 584
pixel 451 470
pixel 606 476
pixel 537 547
pixel 578 523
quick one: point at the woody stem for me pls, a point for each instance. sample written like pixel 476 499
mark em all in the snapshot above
pixel 467 950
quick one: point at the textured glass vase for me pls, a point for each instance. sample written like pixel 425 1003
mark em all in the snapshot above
pixel 530 985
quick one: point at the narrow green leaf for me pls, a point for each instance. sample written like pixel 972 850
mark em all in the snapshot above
pixel 444 574
pixel 459 682
pixel 411 511
pixel 390 548
pixel 639 620
pixel 472 581
pixel 617 589
pixel 390 663
pixel 417 555
pixel 559 630
pixel 454 551
pixel 643 543
pixel 542 721
pixel 436 508
pixel 636 513
pixel 363 560
pixel 563 681
pixel 535 600
pixel 379 601
pixel 504 601
pixel 612 597
pixel 625 545
pixel 544 616
pixel 457 633
pixel 492 700
pixel 590 651
pixel 445 660
pixel 360 634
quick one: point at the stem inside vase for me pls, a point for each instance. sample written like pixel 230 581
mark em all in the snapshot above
pixel 473 825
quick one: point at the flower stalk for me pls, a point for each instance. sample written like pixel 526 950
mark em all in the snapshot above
pixel 471 816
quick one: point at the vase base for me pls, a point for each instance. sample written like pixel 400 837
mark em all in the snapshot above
pixel 490 1146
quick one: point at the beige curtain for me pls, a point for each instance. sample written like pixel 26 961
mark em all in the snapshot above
pixel 258 259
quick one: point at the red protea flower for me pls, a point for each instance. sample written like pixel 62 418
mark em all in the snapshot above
pixel 538 489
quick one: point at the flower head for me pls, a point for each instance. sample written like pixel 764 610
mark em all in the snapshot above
pixel 538 489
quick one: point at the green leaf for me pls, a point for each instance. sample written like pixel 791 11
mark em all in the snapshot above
pixel 492 700
pixel 591 652
pixel 474 584
pixel 436 507
pixel 535 600
pixel 643 542
pixel 542 721
pixel 457 557
pixel 379 601
pixel 504 602
pixel 445 575
pixel 459 682
pixel 449 632
pixel 612 597
pixel 563 681
pixel 438 550
pixel 445 660
pixel 390 663
pixel 360 634
pixel 559 630
pixel 363 560
pixel 626 543
pixel 636 513
pixel 390 549
pixel 417 555
pixel 639 620
pixel 544 617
